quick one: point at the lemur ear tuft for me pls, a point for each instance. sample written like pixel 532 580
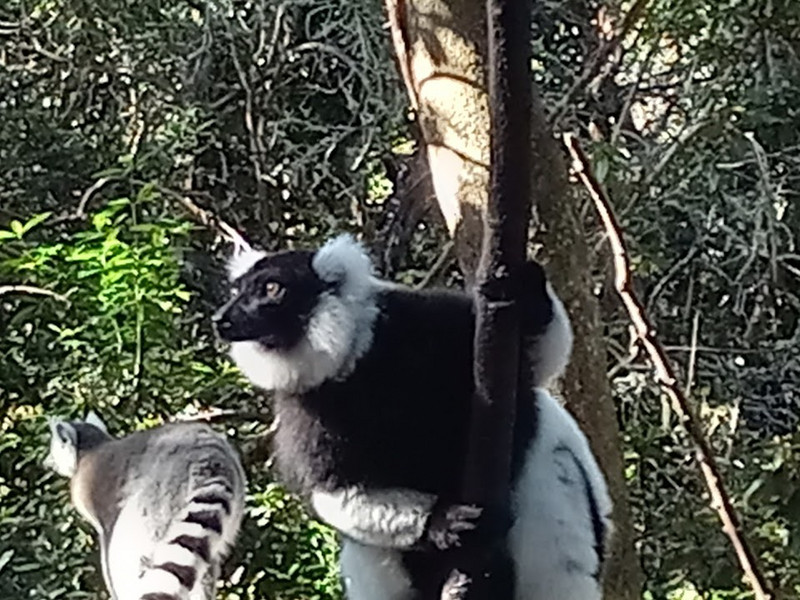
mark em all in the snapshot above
pixel 242 260
pixel 94 419
pixel 64 432
pixel 344 260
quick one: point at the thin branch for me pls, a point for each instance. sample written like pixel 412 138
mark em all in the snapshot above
pixel 259 450
pixel 445 257
pixel 396 10
pixel 678 267
pixel 87 195
pixel 717 350
pixel 773 197
pixel 205 216
pixel 665 375
pixel 601 55
pixel 80 212
pixel 692 354
pixel 31 290
pixel 220 415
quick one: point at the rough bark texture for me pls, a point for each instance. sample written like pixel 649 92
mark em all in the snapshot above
pixel 441 50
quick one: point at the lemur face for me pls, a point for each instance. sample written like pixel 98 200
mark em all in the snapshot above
pixel 68 439
pixel 272 302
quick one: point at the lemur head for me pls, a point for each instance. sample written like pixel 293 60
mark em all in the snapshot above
pixel 70 439
pixel 297 318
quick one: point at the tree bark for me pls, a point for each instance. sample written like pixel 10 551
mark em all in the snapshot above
pixel 441 51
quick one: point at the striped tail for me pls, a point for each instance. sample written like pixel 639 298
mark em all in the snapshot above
pixel 192 546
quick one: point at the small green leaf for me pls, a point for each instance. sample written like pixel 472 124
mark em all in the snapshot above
pixel 601 169
pixel 5 558
pixel 35 220
pixel 18 228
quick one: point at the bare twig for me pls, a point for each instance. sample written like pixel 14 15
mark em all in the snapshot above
pixel 80 212
pixel 445 256
pixel 665 374
pixel 692 354
pixel 218 415
pixel 205 216
pixel 31 290
pixel 601 55
pixel 773 196
pixel 396 9
pixel 87 195
pixel 678 267
pixel 259 449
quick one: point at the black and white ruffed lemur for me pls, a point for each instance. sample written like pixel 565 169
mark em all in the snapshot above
pixel 373 384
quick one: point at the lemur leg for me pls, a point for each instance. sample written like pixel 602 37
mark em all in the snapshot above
pixel 372 573
pixel 563 512
pixel 545 326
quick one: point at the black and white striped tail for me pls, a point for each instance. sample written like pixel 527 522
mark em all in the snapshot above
pixel 193 544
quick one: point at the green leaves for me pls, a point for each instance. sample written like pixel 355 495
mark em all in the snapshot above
pixel 18 229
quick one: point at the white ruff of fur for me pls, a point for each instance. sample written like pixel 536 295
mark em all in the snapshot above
pixel 242 261
pixel 338 333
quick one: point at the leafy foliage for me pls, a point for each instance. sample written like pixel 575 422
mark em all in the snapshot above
pixel 695 120
pixel 111 111
pixel 119 337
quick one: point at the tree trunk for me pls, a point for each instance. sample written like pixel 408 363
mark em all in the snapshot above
pixel 441 51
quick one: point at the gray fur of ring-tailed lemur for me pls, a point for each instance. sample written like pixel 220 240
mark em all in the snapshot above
pixel 373 387
pixel 166 503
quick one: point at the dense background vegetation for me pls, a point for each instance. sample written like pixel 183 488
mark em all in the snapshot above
pixel 288 119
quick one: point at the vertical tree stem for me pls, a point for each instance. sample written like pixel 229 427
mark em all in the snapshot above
pixel 505 236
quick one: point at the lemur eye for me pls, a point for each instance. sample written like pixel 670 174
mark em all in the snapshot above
pixel 274 291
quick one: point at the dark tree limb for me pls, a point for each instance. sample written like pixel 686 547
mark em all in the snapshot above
pixel 665 374
pixel 410 203
pixel 487 471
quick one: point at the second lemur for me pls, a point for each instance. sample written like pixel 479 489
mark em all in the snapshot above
pixel 166 503
pixel 373 387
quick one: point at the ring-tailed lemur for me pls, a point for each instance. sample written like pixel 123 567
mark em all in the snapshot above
pixel 373 387
pixel 166 503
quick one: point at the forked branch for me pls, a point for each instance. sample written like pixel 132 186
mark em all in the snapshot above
pixel 665 374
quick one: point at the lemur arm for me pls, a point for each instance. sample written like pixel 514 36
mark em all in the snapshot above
pixel 390 518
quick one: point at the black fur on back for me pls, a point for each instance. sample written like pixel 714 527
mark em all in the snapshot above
pixel 400 419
